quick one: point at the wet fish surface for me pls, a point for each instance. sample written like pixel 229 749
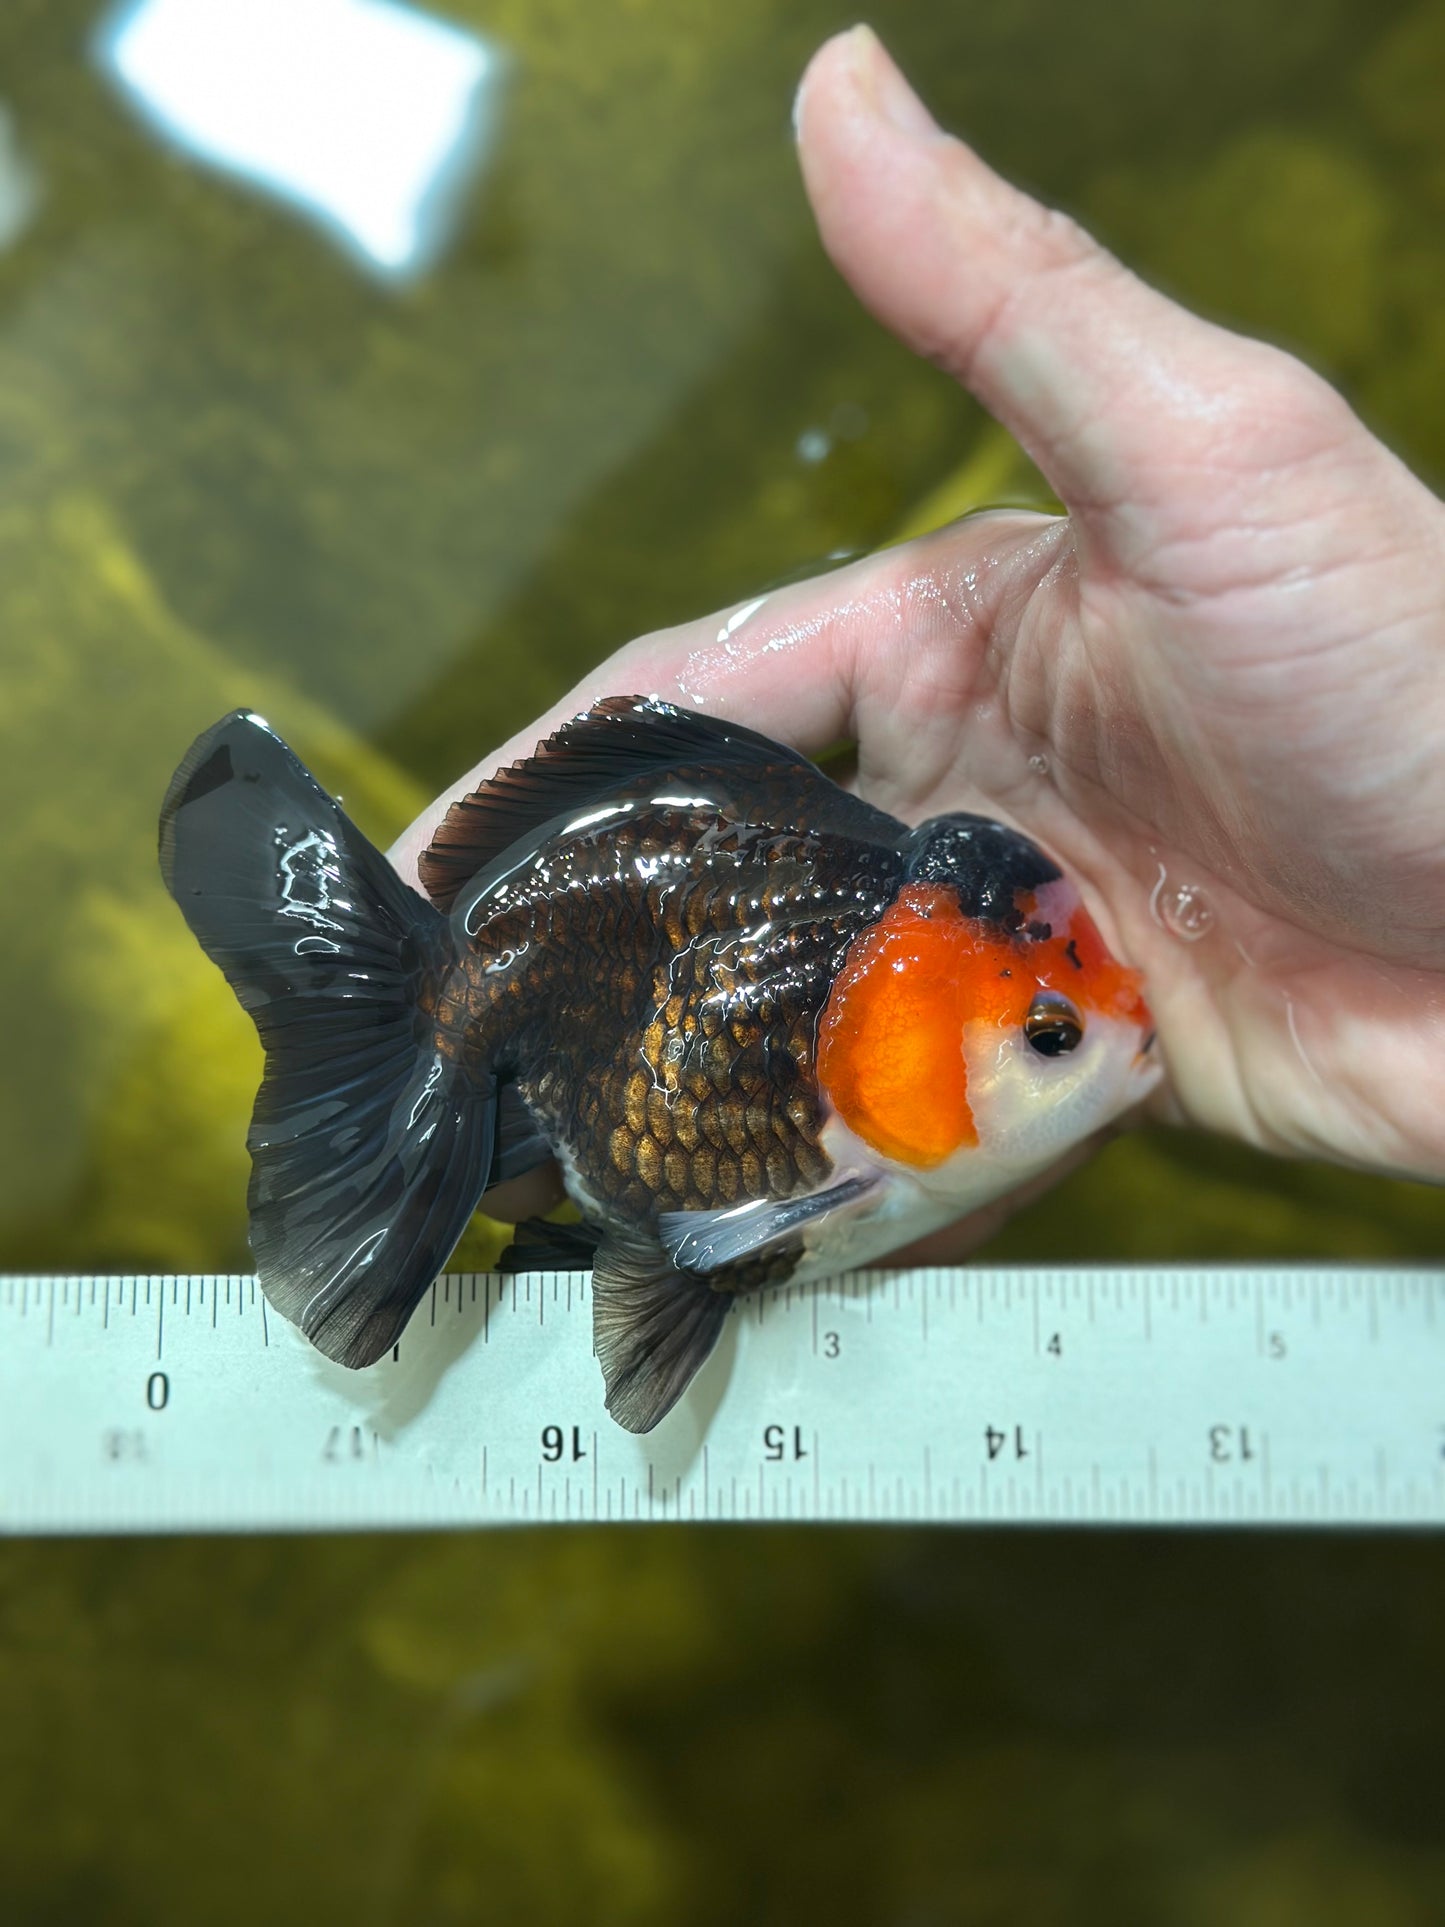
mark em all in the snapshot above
pixel 767 1030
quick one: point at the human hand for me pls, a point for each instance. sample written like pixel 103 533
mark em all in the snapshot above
pixel 1215 691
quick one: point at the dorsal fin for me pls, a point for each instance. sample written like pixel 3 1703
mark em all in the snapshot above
pixel 617 750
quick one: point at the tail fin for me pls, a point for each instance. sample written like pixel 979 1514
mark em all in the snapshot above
pixel 370 1147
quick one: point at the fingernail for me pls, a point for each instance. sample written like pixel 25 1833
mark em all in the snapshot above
pixel 881 81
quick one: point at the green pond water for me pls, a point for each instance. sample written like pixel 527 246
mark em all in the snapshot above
pixel 400 521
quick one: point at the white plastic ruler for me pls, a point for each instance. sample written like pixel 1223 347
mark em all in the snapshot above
pixel 1142 1396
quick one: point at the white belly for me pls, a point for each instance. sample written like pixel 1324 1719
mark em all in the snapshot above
pixel 905 1203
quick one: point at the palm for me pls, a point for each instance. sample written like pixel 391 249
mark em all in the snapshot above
pixel 1298 1002
pixel 1214 690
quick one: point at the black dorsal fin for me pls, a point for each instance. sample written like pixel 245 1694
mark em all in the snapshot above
pixel 617 750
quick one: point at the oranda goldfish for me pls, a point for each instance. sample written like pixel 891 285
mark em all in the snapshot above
pixel 767 1031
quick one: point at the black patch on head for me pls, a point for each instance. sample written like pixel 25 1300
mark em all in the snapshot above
pixel 212 774
pixel 1039 932
pixel 985 864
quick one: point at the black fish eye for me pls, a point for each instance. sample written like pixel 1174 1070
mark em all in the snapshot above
pixel 1053 1026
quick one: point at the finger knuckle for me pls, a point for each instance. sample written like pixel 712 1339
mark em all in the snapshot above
pixel 1055 238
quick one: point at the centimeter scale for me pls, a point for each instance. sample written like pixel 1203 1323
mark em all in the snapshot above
pixel 1119 1396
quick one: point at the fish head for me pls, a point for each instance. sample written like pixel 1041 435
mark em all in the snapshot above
pixel 974 1049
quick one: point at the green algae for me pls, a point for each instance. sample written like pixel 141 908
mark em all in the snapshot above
pixel 1283 231
pixel 779 1726
pixel 233 471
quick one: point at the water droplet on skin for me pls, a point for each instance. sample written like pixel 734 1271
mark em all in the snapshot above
pixel 1183 909
pixel 1039 764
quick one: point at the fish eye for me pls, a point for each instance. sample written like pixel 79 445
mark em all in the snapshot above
pixel 1053 1026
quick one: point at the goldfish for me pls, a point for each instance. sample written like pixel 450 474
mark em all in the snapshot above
pixel 767 1031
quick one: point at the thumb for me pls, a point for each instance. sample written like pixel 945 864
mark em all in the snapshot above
pixel 1125 400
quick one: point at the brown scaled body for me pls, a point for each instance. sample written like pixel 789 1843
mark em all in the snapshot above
pixel 653 987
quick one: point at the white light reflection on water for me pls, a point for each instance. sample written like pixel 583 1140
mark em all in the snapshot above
pixel 368 116
pixel 19 186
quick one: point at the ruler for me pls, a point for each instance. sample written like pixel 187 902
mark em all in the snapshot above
pixel 1117 1396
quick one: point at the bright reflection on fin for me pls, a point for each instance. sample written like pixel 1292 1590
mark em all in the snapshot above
pixel 369 116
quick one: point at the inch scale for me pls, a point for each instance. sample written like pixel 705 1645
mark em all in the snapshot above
pixel 1118 1396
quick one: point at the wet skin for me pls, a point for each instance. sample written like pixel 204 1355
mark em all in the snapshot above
pixel 1213 691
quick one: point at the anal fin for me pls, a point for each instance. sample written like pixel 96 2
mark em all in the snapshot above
pixel 653 1328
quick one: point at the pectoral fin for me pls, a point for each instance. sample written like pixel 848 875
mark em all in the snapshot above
pixel 715 1241
pixel 653 1328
